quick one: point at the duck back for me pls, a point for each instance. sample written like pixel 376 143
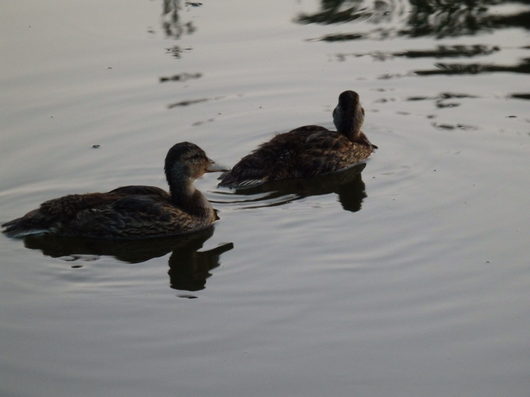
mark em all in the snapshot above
pixel 128 212
pixel 301 153
pixel 134 217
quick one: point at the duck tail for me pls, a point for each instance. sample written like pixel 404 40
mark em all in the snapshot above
pixel 227 179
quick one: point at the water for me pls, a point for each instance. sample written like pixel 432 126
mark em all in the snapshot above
pixel 408 277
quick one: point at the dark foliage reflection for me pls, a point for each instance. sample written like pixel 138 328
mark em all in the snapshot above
pixel 441 51
pixel 385 19
pixel 189 268
pixel 172 22
pixel 417 18
pixel 181 77
pixel 475 68
pixel 521 96
pixel 175 27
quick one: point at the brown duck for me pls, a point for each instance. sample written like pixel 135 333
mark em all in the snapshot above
pixel 307 151
pixel 130 212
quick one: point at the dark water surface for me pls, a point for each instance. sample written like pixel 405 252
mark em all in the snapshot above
pixel 409 277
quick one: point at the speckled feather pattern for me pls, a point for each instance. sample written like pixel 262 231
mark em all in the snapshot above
pixel 303 152
pixel 129 212
pixel 134 217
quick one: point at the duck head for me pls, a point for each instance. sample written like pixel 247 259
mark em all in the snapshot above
pixel 184 163
pixel 348 115
pixel 187 161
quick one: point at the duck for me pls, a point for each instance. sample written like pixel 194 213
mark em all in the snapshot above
pixel 306 151
pixel 130 212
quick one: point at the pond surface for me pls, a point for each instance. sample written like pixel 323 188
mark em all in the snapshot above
pixel 408 277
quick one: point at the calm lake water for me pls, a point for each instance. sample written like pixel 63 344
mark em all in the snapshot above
pixel 409 277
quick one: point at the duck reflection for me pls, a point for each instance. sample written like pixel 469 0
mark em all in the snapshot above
pixel 189 268
pixel 347 184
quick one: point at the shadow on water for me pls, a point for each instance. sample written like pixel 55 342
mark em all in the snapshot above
pixel 189 268
pixel 347 184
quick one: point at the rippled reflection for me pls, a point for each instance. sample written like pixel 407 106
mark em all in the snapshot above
pixel 340 11
pixel 189 268
pixel 475 68
pixel 347 184
pixel 181 77
pixel 378 20
pixel 443 100
pixel 416 18
pixel 175 27
pixel 441 51
pixel 520 96
pixel 172 23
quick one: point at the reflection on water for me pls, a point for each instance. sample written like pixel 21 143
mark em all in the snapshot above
pixel 189 268
pixel 442 99
pixel 417 18
pixel 189 102
pixel 177 51
pixel 421 292
pixel 186 102
pixel 340 11
pixel 521 96
pixel 174 27
pixel 181 77
pixel 347 184
pixel 439 19
pixel 475 68
pixel 453 18
pixel 452 51
pixel 172 23
pixel 441 51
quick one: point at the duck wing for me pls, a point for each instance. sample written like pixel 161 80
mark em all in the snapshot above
pixel 133 217
pixel 329 152
pixel 272 160
pixel 142 190
pixel 53 213
pixel 56 214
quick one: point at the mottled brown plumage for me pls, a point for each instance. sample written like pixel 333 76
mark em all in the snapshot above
pixel 307 151
pixel 130 212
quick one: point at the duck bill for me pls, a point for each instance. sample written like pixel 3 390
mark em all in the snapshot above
pixel 214 167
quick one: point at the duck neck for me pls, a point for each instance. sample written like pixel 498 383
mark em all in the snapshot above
pixel 185 196
pixel 348 122
pixel 348 129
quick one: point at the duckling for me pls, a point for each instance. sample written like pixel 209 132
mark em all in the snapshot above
pixel 130 212
pixel 307 151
